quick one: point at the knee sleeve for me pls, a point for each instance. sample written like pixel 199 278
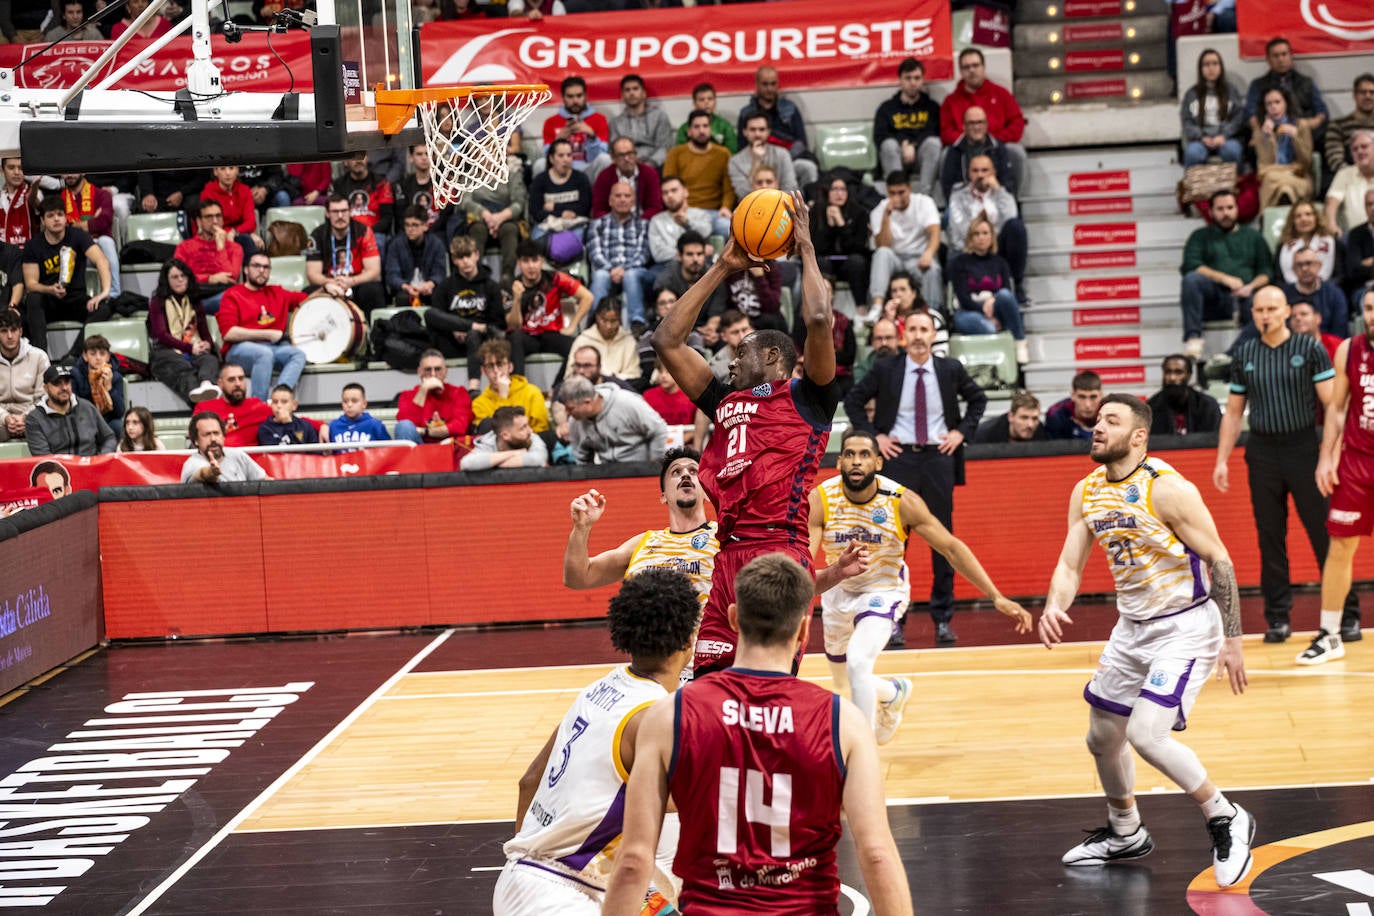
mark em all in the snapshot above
pixel 1107 742
pixel 1150 732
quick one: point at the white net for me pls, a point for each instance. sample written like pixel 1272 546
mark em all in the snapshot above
pixel 467 138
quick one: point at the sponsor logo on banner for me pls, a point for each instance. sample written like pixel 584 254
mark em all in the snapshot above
pixel 1087 318
pixel 1312 26
pixel 1121 375
pixel 1095 89
pixel 1108 288
pixel 991 27
pixel 1104 234
pixel 1087 9
pixel 1098 31
pixel 1093 206
pixel 1083 61
pixel 822 44
pixel 1087 260
pixel 1099 182
pixel 1106 348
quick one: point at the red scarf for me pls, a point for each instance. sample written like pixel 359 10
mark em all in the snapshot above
pixel 82 208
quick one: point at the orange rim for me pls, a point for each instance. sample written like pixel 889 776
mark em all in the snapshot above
pixel 395 107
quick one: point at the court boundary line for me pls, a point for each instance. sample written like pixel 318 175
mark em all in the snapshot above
pixel 180 872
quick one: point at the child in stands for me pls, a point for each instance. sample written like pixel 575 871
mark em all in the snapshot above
pixel 356 424
pixel 285 428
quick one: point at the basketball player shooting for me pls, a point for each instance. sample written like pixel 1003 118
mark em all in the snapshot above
pixel 770 432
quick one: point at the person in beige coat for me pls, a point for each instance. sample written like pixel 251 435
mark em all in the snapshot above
pixel 1283 151
pixel 21 375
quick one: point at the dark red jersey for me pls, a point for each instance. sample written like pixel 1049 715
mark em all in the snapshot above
pixel 758 778
pixel 1359 416
pixel 762 459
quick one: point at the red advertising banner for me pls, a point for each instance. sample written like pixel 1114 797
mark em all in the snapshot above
pixel 1104 59
pixel 1087 260
pixel 991 27
pixel 1099 288
pixel 1096 206
pixel 1098 31
pixel 1311 26
pixel 1104 234
pixel 1095 89
pixel 248 66
pixel 1107 348
pixel 1083 318
pixel 1121 375
pixel 813 43
pixel 1099 182
pixel 1088 9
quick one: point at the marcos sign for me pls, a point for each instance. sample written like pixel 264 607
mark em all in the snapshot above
pixel 813 43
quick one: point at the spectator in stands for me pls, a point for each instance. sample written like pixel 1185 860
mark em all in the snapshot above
pixel 586 362
pixel 669 401
pixel 616 350
pixel 1306 104
pixel 181 351
pixel 155 27
pixel 663 302
pixel 91 210
pixel 618 253
pixel 1305 228
pixel 1178 407
pixel 433 410
pixel 903 299
pixel 884 339
pixel 582 126
pixel 55 276
pixel 560 196
pixel 906 236
pixel 1076 415
pixel 757 150
pixel 1212 114
pixel 387 162
pixel 757 293
pixel 906 129
pixel 982 283
pixel 368 194
pixel 1341 131
pixel 414 263
pixel 734 327
pixel 535 321
pixel 467 308
pixel 974 141
pixel 1345 197
pixel 416 188
pixel 253 320
pixel 1283 151
pixel 640 176
pixel 16 204
pixel 1004 119
pixel 214 258
pixel 785 125
pixel 608 424
pixel 63 424
pixel 241 414
pixel 162 191
pixel 343 258
pixel 74 21
pixel 267 184
pixel 1305 320
pixel 722 131
pixel 1359 254
pixel 284 427
pixel 643 122
pixel 1323 295
pixel 238 206
pixel 213 463
pixel 138 434
pixel 984 196
pixel 1021 423
pixel 511 443
pixel 504 387
pixel 686 270
pixel 1223 264
pixel 96 378
pixel 676 218
pixel 497 216
pixel 839 228
pixel 355 424
pixel 308 183
pixel 12 276
pixel 704 168
pixel 21 375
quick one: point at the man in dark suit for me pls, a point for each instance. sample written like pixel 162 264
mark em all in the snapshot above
pixel 921 432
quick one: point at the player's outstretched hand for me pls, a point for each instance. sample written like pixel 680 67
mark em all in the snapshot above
pixel 1016 612
pixel 1327 477
pixel 853 561
pixel 1052 622
pixel 1231 664
pixel 587 509
pixel 734 258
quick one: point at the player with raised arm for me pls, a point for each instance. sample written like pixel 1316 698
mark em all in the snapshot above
pixel 571 796
pixel 1180 616
pixel 861 506
pixel 761 764
pixel 771 430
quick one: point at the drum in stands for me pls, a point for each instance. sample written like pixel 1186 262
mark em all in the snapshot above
pixel 328 330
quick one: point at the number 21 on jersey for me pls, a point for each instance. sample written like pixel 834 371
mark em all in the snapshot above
pixel 738 443
pixel 777 816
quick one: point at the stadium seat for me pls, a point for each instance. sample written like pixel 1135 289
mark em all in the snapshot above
pixel 989 358
pixel 786 307
pixel 153 227
pixel 127 337
pixel 541 370
pixel 308 217
pixel 14 449
pixel 849 145
pixel 288 272
pixel 1271 223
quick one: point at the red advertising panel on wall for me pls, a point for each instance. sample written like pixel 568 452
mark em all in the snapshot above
pixel 1311 26
pixel 814 43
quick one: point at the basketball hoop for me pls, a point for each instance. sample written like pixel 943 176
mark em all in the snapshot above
pixel 467 129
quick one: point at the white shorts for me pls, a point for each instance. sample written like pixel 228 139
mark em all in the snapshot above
pixel 527 888
pixel 842 610
pixel 1165 660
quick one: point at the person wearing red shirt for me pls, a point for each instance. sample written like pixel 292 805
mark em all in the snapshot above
pixel 343 258
pixel 212 255
pixel 92 209
pixel 1005 121
pixel 433 410
pixel 253 320
pixel 236 199
pixel 16 204
pixel 535 320
pixel 308 182
pixel 242 415
pixel 582 126
pixel 673 406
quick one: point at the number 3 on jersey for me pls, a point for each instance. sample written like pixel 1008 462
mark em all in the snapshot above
pixel 778 815
pixel 738 443
pixel 579 726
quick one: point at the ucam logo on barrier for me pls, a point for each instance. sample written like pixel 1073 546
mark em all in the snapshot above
pixel 819 45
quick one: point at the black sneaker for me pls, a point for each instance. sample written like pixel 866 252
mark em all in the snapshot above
pixel 1351 633
pixel 1103 846
pixel 1278 632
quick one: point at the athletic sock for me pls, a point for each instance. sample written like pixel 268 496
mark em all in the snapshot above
pixel 1331 623
pixel 885 688
pixel 1218 806
pixel 1123 821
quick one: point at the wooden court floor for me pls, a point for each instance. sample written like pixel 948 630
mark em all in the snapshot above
pixel 389 782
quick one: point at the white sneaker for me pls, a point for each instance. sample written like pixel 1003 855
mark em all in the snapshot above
pixel 1327 647
pixel 1231 837
pixel 1194 346
pixel 1104 846
pixel 889 716
pixel 1022 352
pixel 204 392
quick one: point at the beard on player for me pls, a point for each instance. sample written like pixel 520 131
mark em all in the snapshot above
pixel 856 480
pixel 1105 451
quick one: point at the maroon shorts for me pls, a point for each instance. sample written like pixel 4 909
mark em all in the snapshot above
pixel 715 648
pixel 1352 504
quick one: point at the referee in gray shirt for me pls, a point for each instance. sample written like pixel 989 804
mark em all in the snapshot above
pixel 1284 377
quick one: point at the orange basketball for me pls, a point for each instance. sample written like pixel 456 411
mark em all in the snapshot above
pixel 762 223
